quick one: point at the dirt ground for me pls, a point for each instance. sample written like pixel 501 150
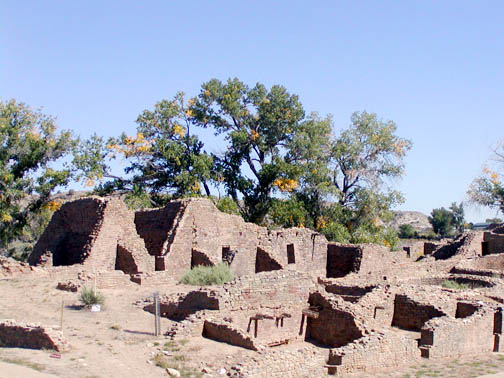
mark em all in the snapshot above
pixel 119 341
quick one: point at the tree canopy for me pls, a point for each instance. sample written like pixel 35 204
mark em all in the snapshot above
pixel 279 167
pixel 259 126
pixel 446 221
pixel 488 188
pixel 29 145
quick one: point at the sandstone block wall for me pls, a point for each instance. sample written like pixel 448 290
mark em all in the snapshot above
pixel 33 336
pixel 336 324
pixel 451 338
pixel 197 225
pixel 97 233
pixel 411 315
pixel 494 243
pixel 372 353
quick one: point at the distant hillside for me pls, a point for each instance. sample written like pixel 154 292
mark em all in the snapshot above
pixel 418 220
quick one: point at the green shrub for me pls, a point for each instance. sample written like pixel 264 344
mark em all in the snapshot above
pixel 288 213
pixel 451 284
pixel 406 231
pixel 337 232
pixel 89 297
pixel 207 275
pixel 228 205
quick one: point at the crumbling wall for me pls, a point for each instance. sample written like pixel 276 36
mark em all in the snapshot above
pixel 223 331
pixel 342 259
pixel 374 352
pixel 180 306
pixel 264 262
pixel 95 232
pixel 334 325
pixel 155 225
pixel 22 335
pixel 489 266
pixel 411 315
pixel 450 337
pixel 376 259
pixel 69 236
pixel 302 361
pixel 200 258
pixel 467 244
pixel 431 247
pixel 224 237
pixel 494 243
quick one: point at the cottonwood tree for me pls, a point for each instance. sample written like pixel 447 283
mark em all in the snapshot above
pixel 164 156
pixel 29 145
pixel 488 188
pixel 259 126
pixel 351 175
pixel 442 221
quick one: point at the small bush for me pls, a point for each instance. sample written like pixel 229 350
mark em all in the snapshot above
pixel 228 205
pixel 451 284
pixel 406 231
pixel 207 275
pixel 89 297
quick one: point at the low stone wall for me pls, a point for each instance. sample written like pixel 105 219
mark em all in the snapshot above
pixel 307 361
pixel 411 315
pixel 450 337
pixel 494 243
pixel 33 336
pixel 223 331
pixel 375 352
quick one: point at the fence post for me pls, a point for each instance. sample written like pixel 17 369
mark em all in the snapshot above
pixel 157 315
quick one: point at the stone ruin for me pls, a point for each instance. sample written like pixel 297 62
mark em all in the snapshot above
pixel 346 308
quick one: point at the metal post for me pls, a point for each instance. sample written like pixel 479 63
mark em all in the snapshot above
pixel 157 315
pixel 61 318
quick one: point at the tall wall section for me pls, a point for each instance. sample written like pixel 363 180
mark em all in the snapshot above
pixel 199 226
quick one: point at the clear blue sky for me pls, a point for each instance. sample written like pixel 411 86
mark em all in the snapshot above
pixel 434 67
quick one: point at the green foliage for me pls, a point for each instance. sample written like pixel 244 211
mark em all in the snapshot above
pixel 89 297
pixel 452 284
pixel 337 232
pixel 29 145
pixel 344 177
pixel 259 126
pixel 334 184
pixel 228 205
pixel 458 216
pixel 406 231
pixel 164 157
pixel 137 199
pixel 207 275
pixel 442 221
pixel 288 213
pixel 488 188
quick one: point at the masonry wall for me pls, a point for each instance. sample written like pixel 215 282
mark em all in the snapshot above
pixel 278 296
pixel 303 361
pixel 342 259
pixel 156 225
pixel 202 227
pixel 375 352
pixel 495 242
pixel 490 266
pixel 450 337
pixel 411 315
pixel 468 244
pixel 70 233
pixel 335 325
pixel 21 335
pixel 98 233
